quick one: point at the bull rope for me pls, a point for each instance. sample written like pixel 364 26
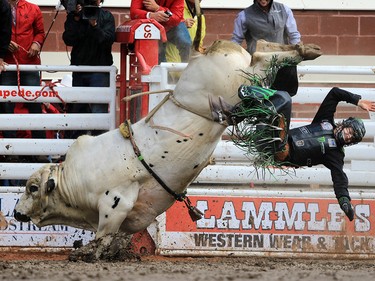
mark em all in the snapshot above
pixel 129 98
pixel 155 109
pixel 169 96
pixel 149 117
pixel 127 132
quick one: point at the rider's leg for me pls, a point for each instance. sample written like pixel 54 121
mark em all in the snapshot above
pixel 270 111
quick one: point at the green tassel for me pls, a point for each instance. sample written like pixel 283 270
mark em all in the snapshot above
pixel 255 135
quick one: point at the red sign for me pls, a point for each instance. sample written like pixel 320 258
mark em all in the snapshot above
pixel 263 224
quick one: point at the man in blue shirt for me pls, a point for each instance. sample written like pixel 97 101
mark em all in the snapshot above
pixel 267 20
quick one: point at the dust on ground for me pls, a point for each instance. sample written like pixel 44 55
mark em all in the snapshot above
pixel 56 267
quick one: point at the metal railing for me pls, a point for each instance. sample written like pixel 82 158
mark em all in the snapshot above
pixel 61 122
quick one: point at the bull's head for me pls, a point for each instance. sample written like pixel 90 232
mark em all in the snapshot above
pixel 33 203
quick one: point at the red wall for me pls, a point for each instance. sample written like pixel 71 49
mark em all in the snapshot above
pixel 337 32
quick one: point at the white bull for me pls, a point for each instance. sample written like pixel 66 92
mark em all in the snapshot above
pixel 103 186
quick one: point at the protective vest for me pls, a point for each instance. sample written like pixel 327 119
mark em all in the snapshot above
pixel 310 143
pixel 268 26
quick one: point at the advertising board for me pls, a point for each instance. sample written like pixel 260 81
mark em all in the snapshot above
pixel 244 225
pixel 15 233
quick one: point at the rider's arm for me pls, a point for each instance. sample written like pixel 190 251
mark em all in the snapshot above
pixel 334 161
pixel 328 107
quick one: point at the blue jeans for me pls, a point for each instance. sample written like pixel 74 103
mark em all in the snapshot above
pixel 88 79
pixel 27 78
pixel 180 37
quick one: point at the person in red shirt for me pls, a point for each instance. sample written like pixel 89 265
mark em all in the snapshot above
pixel 24 48
pixel 170 14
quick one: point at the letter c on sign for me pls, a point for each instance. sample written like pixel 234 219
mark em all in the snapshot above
pixel 147 30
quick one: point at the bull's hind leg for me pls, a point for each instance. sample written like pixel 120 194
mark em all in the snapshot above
pixel 268 47
pixel 114 206
pixel 306 51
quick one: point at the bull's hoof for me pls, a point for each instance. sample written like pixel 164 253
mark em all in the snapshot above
pixel 108 248
pixel 309 51
pixel 119 249
pixel 84 253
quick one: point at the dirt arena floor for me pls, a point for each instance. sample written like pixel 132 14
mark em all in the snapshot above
pixel 56 267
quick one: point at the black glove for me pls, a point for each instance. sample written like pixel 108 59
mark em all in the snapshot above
pixel 346 207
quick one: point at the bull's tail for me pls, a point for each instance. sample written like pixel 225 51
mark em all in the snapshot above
pixel 198 35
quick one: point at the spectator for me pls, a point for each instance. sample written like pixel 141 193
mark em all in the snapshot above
pixel 191 23
pixel 321 142
pixel 273 22
pixel 5 31
pixel 24 48
pixel 5 34
pixel 26 41
pixel 268 20
pixel 91 32
pixel 169 13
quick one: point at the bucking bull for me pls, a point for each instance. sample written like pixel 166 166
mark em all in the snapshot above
pixel 120 181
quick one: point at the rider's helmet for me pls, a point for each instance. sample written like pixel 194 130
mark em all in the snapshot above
pixel 358 131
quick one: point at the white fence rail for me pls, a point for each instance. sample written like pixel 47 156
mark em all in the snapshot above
pixel 227 157
pixel 21 234
pixel 61 122
pixel 230 166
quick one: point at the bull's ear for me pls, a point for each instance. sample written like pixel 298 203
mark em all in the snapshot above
pixel 43 186
pixel 50 185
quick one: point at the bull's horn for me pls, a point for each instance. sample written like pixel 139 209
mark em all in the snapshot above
pixel 309 51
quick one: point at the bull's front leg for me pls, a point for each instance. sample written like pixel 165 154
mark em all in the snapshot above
pixel 114 206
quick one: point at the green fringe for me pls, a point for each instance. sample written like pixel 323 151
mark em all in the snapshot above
pixel 255 135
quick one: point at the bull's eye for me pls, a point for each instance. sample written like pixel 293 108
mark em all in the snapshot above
pixel 33 188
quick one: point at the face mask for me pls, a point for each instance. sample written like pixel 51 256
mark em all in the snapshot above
pixel 339 136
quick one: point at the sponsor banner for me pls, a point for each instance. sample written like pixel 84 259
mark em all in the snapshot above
pixel 243 224
pixel 15 233
pixel 22 92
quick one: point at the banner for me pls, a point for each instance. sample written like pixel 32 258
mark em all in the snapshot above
pixel 15 233
pixel 243 224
